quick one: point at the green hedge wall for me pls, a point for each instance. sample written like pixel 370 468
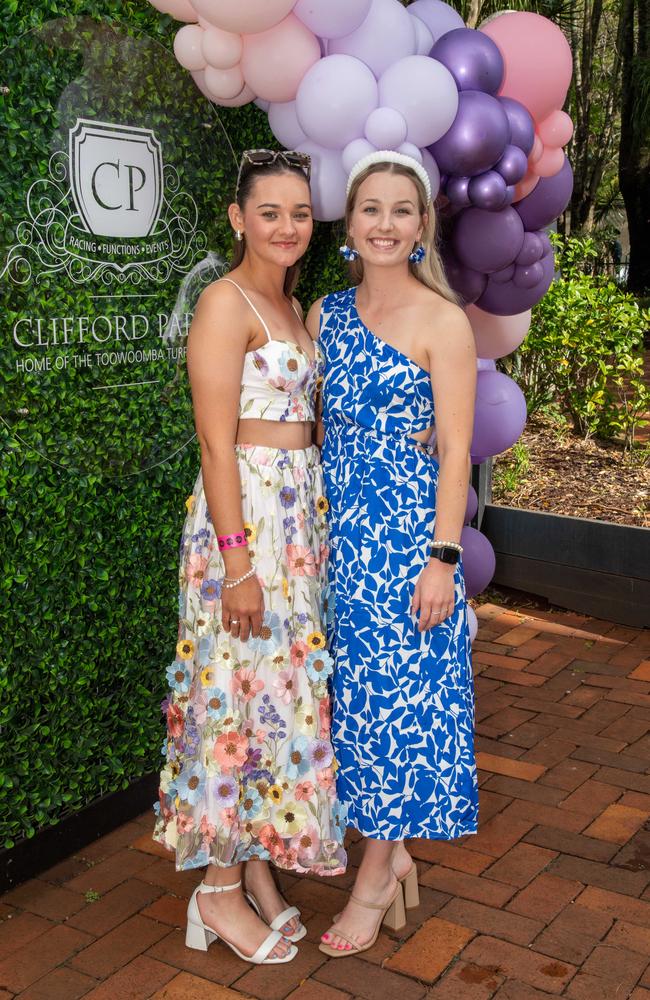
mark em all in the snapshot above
pixel 89 565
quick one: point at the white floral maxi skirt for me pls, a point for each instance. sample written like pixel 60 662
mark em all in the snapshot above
pixel 249 769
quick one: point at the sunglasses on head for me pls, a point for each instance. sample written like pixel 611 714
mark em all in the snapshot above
pixel 266 157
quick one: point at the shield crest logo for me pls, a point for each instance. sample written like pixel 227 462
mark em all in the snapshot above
pixel 116 178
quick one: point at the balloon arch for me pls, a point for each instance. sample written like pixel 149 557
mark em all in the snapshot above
pixel 480 109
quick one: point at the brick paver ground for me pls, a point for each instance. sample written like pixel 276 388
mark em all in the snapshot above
pixel 552 898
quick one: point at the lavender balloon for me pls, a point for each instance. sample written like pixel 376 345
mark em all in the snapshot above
pixel 487 241
pixel 439 17
pixel 334 19
pixel 488 191
pixel 513 165
pixel 548 200
pixel 522 126
pixel 509 300
pixel 479 561
pixel 472 58
pixel 468 284
pixel 499 415
pixel 477 139
pixel 386 35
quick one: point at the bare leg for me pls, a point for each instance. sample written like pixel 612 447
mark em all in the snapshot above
pixel 230 915
pixel 375 883
pixel 259 880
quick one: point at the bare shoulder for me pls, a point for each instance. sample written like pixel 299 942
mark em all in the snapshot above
pixel 445 324
pixel 312 322
pixel 221 315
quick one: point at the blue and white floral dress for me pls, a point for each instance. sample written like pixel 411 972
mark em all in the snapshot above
pixel 403 700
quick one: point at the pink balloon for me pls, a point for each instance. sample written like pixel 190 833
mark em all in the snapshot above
pixel 182 10
pixel 334 18
pixel 556 130
pixel 243 16
pixel 550 162
pixel 386 35
pixel 537 58
pixel 244 97
pixel 187 47
pixel 222 49
pixel 285 125
pixel 275 61
pixel 497 336
pixel 524 188
pixel 328 182
pixel 223 84
pixel 537 151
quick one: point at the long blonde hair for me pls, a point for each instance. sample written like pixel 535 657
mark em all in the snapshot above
pixel 431 272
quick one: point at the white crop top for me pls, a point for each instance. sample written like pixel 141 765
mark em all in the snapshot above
pixel 279 381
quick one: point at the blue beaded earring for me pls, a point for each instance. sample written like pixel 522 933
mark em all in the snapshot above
pixel 417 256
pixel 349 253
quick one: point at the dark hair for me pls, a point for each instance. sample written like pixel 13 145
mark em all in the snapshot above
pixel 250 174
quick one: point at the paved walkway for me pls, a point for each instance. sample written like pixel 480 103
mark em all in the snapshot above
pixel 551 898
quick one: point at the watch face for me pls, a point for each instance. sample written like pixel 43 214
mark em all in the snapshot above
pixel 446 555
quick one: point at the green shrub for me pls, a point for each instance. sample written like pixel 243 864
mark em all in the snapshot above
pixel 584 352
pixel 88 578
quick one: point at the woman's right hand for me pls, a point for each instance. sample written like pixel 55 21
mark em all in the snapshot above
pixel 242 609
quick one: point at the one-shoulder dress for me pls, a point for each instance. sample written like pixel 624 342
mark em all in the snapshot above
pixel 403 713
pixel 249 768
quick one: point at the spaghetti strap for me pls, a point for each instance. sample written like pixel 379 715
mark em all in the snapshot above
pixel 231 282
pixel 293 306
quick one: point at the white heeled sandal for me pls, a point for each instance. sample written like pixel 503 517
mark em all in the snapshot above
pixel 281 919
pixel 200 936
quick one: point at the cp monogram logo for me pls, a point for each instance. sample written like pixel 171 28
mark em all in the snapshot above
pixel 116 178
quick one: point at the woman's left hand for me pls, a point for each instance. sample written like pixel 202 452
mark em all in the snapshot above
pixel 434 595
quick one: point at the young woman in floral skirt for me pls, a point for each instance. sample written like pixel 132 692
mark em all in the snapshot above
pixel 249 773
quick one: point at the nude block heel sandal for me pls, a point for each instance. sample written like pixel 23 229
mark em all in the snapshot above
pixel 393 916
pixel 411 889
pixel 200 936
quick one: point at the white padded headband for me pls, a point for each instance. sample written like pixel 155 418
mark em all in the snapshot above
pixel 390 156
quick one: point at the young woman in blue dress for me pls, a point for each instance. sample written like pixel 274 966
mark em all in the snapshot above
pixel 395 343
pixel 248 775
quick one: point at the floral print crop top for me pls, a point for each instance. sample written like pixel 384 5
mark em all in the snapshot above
pixel 279 381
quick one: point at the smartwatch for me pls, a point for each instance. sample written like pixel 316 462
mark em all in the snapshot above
pixel 445 554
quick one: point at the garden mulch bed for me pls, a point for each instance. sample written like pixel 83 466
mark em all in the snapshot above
pixel 568 475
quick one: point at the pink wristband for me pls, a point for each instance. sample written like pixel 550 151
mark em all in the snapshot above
pixel 231 541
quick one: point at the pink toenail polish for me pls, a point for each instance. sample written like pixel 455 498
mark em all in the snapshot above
pixel 325 937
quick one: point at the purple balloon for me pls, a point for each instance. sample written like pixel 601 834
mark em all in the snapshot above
pixel 477 139
pixel 479 561
pixel 457 192
pixel 501 277
pixel 522 126
pixel 531 251
pixel 471 509
pixel 487 241
pixel 548 200
pixel 528 276
pixel 488 191
pixel 499 414
pixel 513 165
pixel 547 246
pixel 472 58
pixel 509 300
pixel 468 284
pixel 511 190
pixel 439 17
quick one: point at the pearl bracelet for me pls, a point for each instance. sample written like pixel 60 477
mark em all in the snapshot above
pixel 235 583
pixel 447 545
